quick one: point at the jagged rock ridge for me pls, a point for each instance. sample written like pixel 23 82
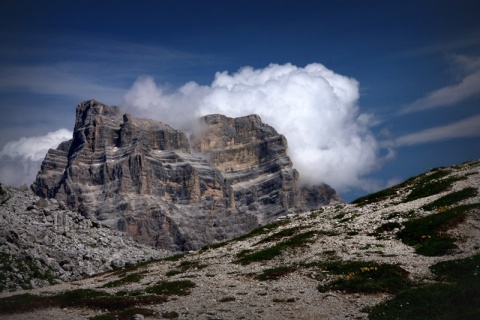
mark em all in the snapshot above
pixel 139 176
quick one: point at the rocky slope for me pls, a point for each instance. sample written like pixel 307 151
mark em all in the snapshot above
pixel 42 243
pixel 339 262
pixel 139 176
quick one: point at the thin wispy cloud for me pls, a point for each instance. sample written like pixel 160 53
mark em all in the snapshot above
pixel 84 67
pixel 467 87
pixel 466 128
pixel 56 80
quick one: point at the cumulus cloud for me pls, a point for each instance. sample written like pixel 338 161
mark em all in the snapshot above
pixel 314 107
pixel 462 129
pixel 20 160
pixel 467 87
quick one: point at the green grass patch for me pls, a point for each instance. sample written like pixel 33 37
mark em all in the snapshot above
pixel 451 199
pixel 460 270
pixel 299 240
pixel 262 230
pixel 178 288
pixel 170 315
pixel 429 184
pixel 275 273
pixel 365 277
pixel 421 186
pixel 131 278
pixel 185 266
pixel 457 299
pixel 427 234
pixel 227 299
pixel 80 298
pixel 280 235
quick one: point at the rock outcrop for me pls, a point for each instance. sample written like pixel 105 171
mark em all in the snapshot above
pixel 140 176
pixel 253 158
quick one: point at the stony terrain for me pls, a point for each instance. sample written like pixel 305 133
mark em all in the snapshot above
pixel 143 178
pixel 331 263
pixel 42 243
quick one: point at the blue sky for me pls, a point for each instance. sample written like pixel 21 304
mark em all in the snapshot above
pixel 416 66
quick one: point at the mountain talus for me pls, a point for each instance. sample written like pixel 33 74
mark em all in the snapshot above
pixel 140 176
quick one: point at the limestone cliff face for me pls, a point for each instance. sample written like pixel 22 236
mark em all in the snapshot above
pixel 139 176
pixel 253 158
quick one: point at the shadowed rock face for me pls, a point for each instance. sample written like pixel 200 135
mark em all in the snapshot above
pixel 139 176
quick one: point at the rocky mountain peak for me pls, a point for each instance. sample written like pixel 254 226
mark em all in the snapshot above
pixel 139 176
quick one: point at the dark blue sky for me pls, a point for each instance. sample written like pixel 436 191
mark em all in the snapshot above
pixel 417 63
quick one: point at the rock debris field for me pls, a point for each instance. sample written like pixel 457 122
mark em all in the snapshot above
pixel 337 262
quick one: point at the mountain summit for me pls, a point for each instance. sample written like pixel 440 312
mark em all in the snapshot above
pixel 145 178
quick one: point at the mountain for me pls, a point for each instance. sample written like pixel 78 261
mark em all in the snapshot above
pixel 408 252
pixel 142 177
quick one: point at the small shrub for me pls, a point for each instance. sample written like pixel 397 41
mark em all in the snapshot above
pixel 275 273
pixel 280 235
pixel 227 299
pixel 459 299
pixel 451 198
pixel 269 253
pixel 427 234
pixel 170 315
pixel 179 288
pixel 134 277
pixel 365 277
pixel 262 230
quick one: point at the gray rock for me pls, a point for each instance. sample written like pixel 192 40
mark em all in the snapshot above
pixel 139 176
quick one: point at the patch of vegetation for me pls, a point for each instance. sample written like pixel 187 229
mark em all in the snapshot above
pixel 80 298
pixel 227 299
pixel 262 230
pixel 427 234
pixel 431 183
pixel 170 315
pixel 280 235
pixel 386 227
pixel 124 314
pixel 339 216
pixel 284 300
pixel 421 186
pixel 365 277
pixel 377 196
pixel 451 199
pixel 457 299
pixel 299 240
pixel 179 288
pixel 393 215
pixel 131 278
pixel 315 213
pixel 214 245
pixel 176 257
pixel 275 273
pixel 185 266
pixel 460 270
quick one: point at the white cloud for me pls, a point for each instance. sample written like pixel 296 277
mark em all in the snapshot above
pixel 467 87
pixel 315 108
pixel 462 129
pixel 20 160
